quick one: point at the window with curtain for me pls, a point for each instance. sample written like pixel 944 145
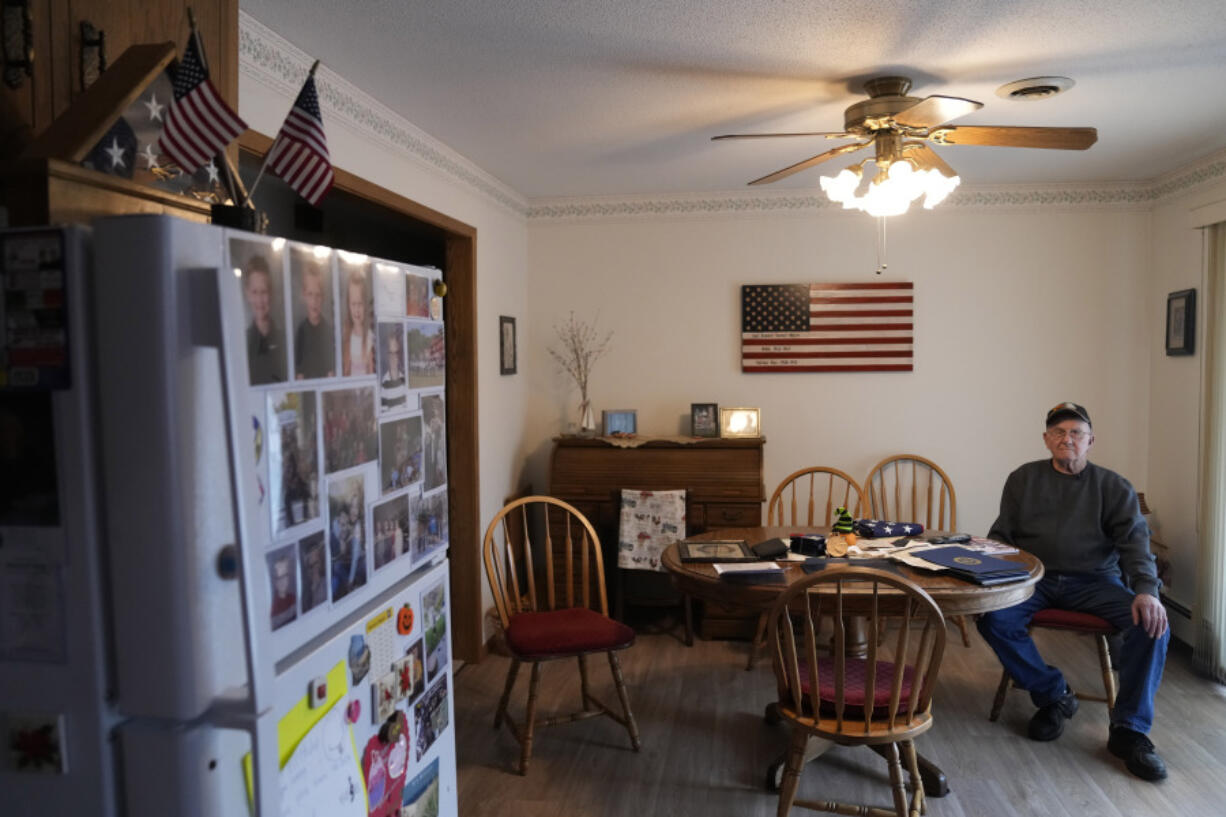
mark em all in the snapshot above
pixel 1210 648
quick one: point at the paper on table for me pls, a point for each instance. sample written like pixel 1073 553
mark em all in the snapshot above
pixel 989 546
pixel 746 567
pixel 914 559
pixel 323 777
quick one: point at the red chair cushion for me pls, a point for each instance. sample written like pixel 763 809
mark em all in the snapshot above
pixel 1056 619
pixel 856 673
pixel 565 632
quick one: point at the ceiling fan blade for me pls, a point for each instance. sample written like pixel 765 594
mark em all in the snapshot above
pixel 1056 138
pixel 936 110
pixel 810 162
pixel 926 158
pixel 775 135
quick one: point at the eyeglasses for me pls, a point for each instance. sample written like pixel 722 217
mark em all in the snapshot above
pixel 1074 434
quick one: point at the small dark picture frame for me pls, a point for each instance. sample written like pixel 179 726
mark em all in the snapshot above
pixel 620 421
pixel 704 419
pixel 508 355
pixel 1181 322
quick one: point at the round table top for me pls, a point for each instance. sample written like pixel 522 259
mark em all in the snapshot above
pixel 954 596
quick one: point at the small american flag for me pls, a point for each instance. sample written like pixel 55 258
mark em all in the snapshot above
pixel 200 123
pixel 827 327
pixel 300 154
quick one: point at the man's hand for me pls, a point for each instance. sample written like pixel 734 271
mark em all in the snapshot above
pixel 1150 614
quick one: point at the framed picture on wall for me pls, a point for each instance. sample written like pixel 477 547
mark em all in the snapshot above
pixel 506 333
pixel 1181 322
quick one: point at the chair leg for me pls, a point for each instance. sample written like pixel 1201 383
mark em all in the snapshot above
pixel 506 692
pixel 525 751
pixel 918 804
pixel 759 641
pixel 616 668
pixel 619 597
pixel 900 791
pixel 1104 659
pixel 791 773
pixel 1001 691
pixel 583 690
pixel 688 604
pixel 966 636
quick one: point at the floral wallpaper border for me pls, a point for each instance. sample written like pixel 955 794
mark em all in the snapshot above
pixel 267 58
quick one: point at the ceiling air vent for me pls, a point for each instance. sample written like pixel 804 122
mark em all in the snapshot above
pixel 1034 88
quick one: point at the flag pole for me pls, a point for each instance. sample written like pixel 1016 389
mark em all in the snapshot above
pixel 234 184
pixel 268 155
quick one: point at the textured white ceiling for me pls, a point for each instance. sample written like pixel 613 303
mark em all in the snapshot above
pixel 595 97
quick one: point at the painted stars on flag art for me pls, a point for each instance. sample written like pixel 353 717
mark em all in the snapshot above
pixel 130 148
pixel 861 327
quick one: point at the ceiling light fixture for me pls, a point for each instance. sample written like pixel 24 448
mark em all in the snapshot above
pixel 900 179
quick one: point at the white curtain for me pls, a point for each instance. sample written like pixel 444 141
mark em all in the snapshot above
pixel 1210 650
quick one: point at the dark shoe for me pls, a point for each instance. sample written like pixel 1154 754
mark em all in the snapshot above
pixel 1048 722
pixel 1137 752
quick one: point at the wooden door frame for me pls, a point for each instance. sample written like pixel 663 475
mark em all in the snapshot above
pixel 460 334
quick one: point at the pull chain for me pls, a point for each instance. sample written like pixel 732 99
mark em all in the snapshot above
pixel 881 252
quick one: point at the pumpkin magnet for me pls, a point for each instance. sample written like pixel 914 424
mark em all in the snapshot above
pixel 404 620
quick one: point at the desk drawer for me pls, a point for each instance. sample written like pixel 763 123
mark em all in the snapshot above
pixel 732 514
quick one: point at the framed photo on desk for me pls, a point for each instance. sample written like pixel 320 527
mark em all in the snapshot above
pixel 716 550
pixel 704 419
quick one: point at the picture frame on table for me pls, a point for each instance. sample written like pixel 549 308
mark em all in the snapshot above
pixel 619 421
pixel 716 550
pixel 740 422
pixel 704 419
pixel 1181 322
pixel 508 354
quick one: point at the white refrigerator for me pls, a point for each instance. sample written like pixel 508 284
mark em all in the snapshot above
pixel 223 534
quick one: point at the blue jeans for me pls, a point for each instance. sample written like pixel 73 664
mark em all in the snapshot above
pixel 1140 661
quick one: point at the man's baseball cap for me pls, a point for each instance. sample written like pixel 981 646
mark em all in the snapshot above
pixel 1068 411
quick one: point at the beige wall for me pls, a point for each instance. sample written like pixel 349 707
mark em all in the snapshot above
pixel 1015 311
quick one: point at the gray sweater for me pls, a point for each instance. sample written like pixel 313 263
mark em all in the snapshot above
pixel 1085 523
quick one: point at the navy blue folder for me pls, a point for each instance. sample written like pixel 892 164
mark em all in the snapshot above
pixel 974 566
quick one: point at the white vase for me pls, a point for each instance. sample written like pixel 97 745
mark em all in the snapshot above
pixel 587 423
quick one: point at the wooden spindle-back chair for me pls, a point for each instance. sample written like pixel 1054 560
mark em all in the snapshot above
pixel 1087 624
pixel 808 497
pixel 816 491
pixel 884 699
pixel 911 488
pixel 545 570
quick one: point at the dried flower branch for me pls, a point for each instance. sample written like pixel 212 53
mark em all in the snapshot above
pixel 580 346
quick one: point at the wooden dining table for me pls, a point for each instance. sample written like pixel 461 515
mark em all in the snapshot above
pixel 954 596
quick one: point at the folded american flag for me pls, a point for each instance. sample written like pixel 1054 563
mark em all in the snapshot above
pixel 877 528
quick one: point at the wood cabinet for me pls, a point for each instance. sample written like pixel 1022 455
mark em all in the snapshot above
pixel 56 78
pixel 722 479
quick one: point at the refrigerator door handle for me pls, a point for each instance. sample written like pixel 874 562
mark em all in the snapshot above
pixel 206 319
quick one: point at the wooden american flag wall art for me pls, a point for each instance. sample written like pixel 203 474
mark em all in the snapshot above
pixel 865 327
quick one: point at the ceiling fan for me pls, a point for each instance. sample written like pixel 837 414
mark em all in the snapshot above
pixel 900 127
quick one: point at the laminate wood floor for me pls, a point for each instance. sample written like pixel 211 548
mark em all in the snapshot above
pixel 706 747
